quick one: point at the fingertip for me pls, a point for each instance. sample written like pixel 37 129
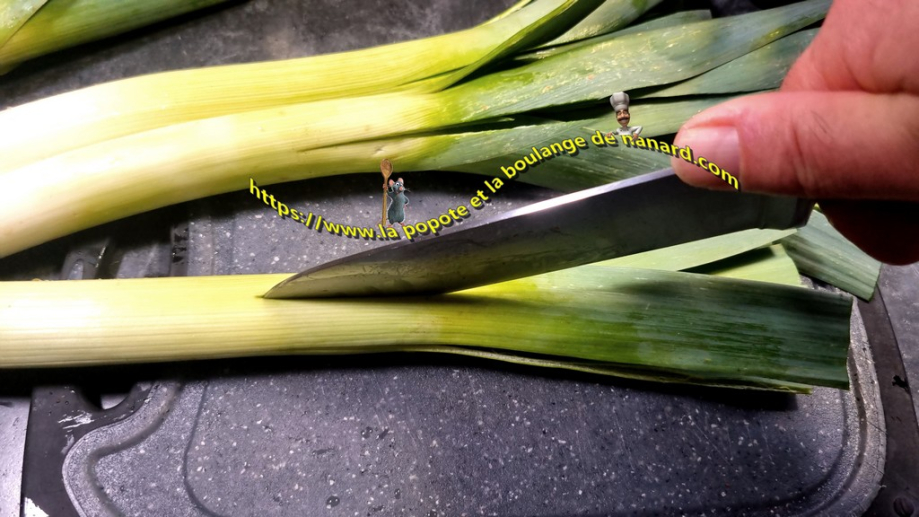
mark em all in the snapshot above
pixel 709 156
pixel 693 175
pixel 809 144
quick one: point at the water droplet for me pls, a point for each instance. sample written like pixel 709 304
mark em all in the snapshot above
pixel 332 502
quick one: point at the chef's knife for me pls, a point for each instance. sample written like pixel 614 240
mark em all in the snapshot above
pixel 639 214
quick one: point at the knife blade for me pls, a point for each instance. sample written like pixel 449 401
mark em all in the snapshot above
pixel 639 214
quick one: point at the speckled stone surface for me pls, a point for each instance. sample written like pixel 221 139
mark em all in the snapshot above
pixel 14 414
pixel 899 288
pixel 419 436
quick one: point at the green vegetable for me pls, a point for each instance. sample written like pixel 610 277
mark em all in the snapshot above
pixel 43 128
pixel 460 102
pixel 718 250
pixel 670 20
pixel 653 324
pixel 123 176
pixel 769 264
pixel 14 14
pixel 32 28
pixel 823 253
pixel 762 69
pixel 590 168
pixel 609 17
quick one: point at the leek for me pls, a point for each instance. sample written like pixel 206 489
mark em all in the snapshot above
pixel 608 17
pixel 14 14
pixel 673 19
pixel 769 264
pixel 711 330
pixel 57 24
pixel 825 254
pixel 668 55
pixel 707 251
pixel 590 168
pixel 762 69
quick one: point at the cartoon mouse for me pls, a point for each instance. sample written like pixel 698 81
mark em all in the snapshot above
pixel 396 212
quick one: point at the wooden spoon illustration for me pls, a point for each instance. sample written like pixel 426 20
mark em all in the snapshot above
pixel 386 169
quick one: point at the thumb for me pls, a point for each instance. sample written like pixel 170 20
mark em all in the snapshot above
pixel 816 145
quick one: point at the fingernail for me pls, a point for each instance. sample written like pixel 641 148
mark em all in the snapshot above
pixel 718 145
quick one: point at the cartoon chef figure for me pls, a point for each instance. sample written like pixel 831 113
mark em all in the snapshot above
pixel 620 102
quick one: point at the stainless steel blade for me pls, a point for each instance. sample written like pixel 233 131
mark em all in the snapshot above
pixel 639 214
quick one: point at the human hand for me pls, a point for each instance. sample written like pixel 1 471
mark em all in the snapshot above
pixel 843 129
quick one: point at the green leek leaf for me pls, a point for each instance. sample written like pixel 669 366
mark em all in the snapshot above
pixel 762 69
pixel 820 251
pixel 14 14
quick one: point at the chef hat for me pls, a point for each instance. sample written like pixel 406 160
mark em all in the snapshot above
pixel 620 101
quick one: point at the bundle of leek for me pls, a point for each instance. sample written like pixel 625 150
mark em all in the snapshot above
pixel 53 190
pixel 138 144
